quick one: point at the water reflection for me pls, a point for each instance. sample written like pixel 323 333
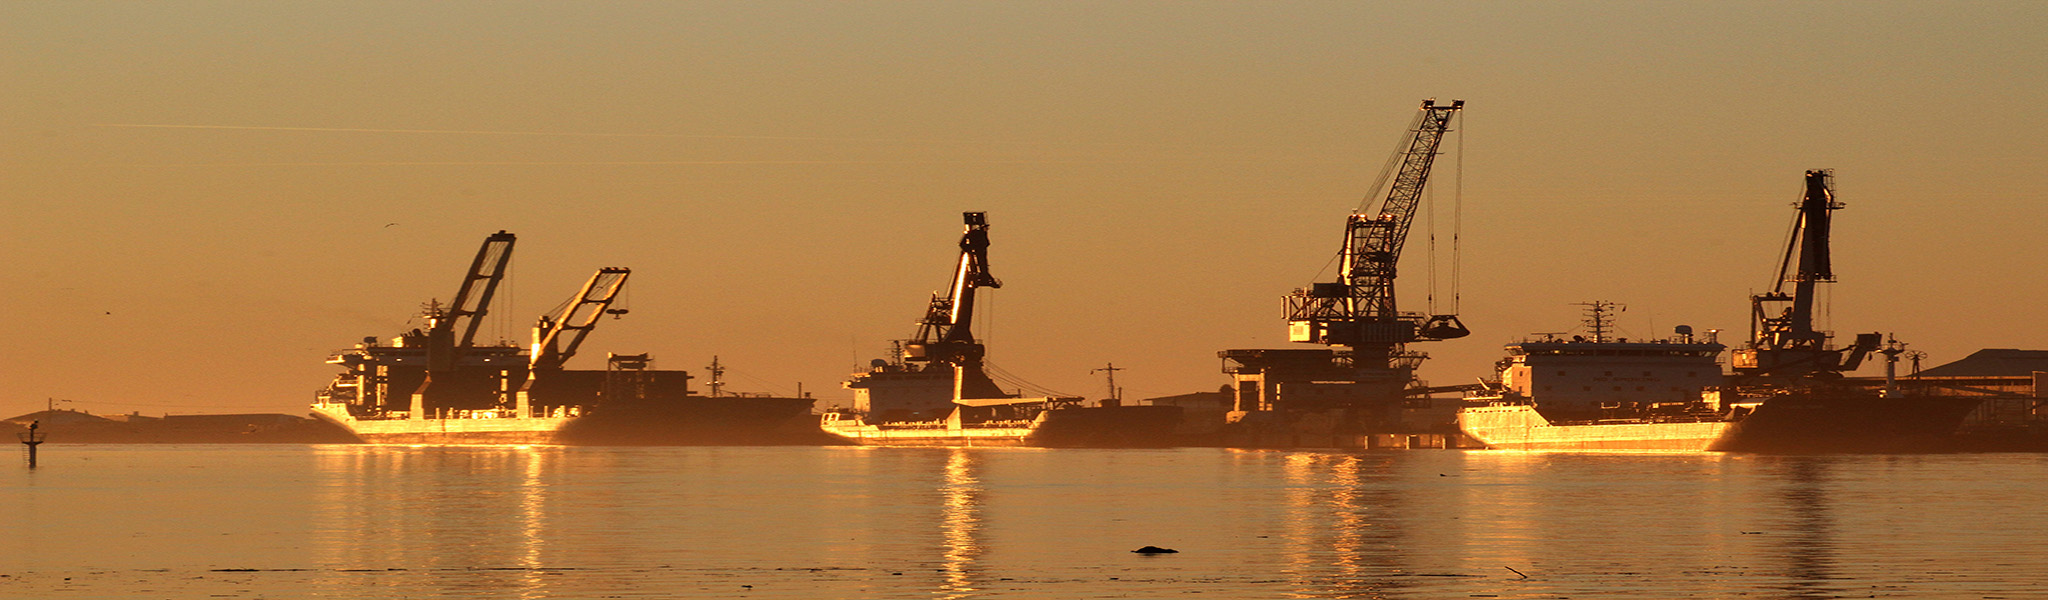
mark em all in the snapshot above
pixel 960 523
pixel 1342 537
pixel 1808 544
pixel 790 523
pixel 474 519
pixel 532 520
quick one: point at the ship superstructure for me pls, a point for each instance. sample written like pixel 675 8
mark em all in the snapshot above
pixel 1598 375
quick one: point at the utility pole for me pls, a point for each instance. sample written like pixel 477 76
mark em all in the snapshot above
pixel 1116 395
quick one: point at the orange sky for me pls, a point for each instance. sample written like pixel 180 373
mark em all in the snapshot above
pixel 200 201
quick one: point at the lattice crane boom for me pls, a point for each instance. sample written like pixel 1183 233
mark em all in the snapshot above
pixel 1359 310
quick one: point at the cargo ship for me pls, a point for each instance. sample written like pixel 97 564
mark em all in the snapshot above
pixel 1785 393
pixel 436 385
pixel 936 391
pixel 1599 393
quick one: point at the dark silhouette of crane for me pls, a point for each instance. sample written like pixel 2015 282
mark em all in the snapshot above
pixel 1784 344
pixel 1360 383
pixel 946 335
pixel 453 380
pixel 1358 310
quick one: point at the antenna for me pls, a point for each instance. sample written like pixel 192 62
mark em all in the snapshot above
pixel 1116 394
pixel 1597 318
pixel 717 377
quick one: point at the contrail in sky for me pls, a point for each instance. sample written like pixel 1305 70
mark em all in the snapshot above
pixel 643 135
pixel 491 132
pixel 621 163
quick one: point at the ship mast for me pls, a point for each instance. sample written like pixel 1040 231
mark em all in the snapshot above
pixel 1599 318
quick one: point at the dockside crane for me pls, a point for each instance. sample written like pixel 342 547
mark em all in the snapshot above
pixel 945 335
pixel 1358 310
pixel 1783 342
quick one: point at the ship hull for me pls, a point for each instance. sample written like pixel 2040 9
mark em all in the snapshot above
pixel 690 421
pixel 1520 427
pixel 1098 427
pixel 1808 423
pixel 1785 424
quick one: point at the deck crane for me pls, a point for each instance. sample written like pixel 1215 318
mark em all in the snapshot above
pixel 575 319
pixel 1358 309
pixel 945 335
pixel 1786 345
pixel 452 380
pixel 472 302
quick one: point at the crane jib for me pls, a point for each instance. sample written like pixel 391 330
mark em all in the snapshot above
pixel 1360 307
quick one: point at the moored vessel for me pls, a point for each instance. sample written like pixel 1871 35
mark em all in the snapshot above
pixel 1785 392
pixel 437 385
pixel 935 391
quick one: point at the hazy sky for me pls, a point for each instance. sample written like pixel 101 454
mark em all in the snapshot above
pixel 200 201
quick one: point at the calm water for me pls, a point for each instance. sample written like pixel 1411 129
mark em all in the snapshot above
pixel 502 522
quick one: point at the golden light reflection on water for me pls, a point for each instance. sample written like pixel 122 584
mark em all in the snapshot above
pixel 1342 540
pixel 532 519
pixel 960 523
pixel 788 524
pixel 490 500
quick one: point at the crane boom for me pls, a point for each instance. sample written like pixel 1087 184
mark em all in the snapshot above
pixel 946 333
pixel 472 302
pixel 1786 345
pixel 1358 310
pixel 576 318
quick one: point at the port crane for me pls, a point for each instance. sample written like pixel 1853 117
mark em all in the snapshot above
pixel 575 319
pixel 1783 342
pixel 945 335
pixel 1358 310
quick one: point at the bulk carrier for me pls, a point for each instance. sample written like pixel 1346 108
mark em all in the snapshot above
pixel 936 392
pixel 436 385
pixel 1786 392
